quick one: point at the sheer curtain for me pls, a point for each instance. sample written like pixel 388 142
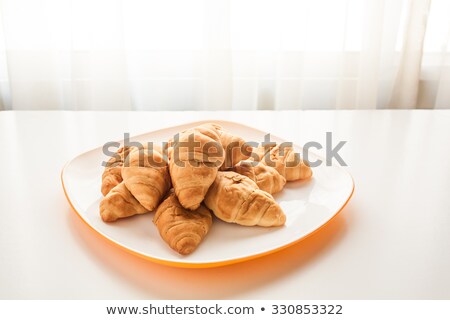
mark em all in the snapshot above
pixel 224 54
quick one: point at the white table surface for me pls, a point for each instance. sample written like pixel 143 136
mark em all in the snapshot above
pixel 391 241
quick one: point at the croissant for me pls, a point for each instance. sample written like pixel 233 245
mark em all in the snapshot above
pixel 182 229
pixel 192 173
pixel 234 147
pixel 237 199
pixel 260 151
pixel 119 203
pixel 146 176
pixel 299 171
pixel 112 175
pixel 267 178
pixel 286 162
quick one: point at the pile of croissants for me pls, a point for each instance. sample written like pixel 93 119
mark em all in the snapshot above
pixel 184 188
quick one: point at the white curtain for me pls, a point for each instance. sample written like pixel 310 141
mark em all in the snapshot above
pixel 224 54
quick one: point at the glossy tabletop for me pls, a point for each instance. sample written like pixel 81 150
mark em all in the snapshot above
pixel 391 241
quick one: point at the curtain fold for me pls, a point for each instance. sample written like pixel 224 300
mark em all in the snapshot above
pixel 436 67
pixel 217 65
pixel 406 87
pixel 224 54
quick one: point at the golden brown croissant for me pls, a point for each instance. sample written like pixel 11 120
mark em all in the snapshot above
pixel 299 170
pixel 260 151
pixel 267 178
pixel 146 176
pixel 119 203
pixel 287 162
pixel 112 175
pixel 237 199
pixel 192 173
pixel 182 229
pixel 235 149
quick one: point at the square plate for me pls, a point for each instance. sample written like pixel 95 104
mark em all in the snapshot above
pixel 308 205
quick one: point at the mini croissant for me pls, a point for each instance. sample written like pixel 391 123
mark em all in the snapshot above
pixel 182 229
pixel 286 161
pixel 237 199
pixel 112 175
pixel 192 172
pixel 234 147
pixel 119 203
pixel 267 178
pixel 146 176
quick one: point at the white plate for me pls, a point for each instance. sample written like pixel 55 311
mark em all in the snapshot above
pixel 308 205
